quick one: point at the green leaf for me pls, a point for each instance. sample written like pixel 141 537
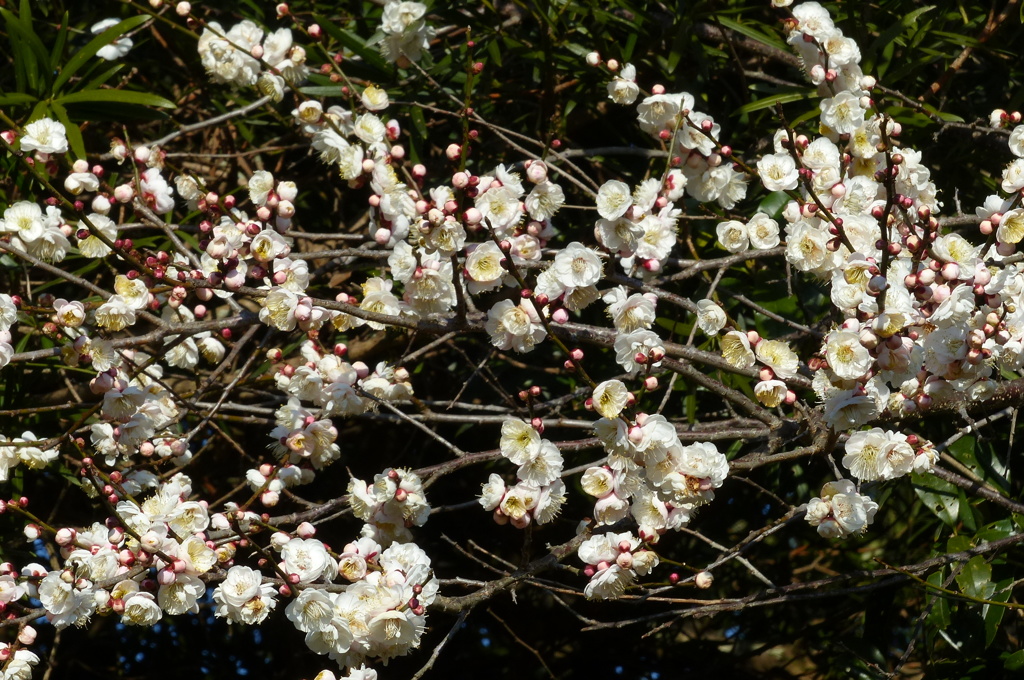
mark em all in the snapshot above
pixel 886 38
pixel 93 46
pixel 1015 661
pixel 118 97
pixel 419 122
pixel 57 51
pixel 26 68
pixel 104 75
pixel 74 132
pixel 627 51
pixel 797 95
pixel 322 90
pixel 939 616
pixel 993 613
pixel 975 579
pixel 959 544
pixel 773 203
pixel 17 98
pixel 941 497
pixel 751 33
pixel 494 50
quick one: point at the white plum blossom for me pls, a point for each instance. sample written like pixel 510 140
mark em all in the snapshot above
pixel 732 235
pixel 736 349
pixel 406 34
pixel 842 113
pixel 847 357
pixel 613 199
pixel 778 356
pixel 623 88
pixel 243 597
pixel 610 398
pixel 840 510
pixel 630 313
pixel 116 49
pixel 877 454
pixel 513 326
pixel 45 136
pixel 308 559
pixel 710 317
pixel 763 232
pixel 778 172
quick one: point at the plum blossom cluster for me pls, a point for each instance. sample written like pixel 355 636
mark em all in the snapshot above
pixel 406 33
pixel 380 612
pixel 928 314
pixel 539 492
pixel 925 314
pixel 878 454
pixel 242 56
pixel 693 135
pixel 639 225
pixel 840 510
pixel 393 503
pixel 636 345
pixel 8 317
pixel 20 661
pixel 135 410
pixel 614 562
pixel 648 473
pixel 41 233
pixel 338 387
pixel 148 567
pixel 157 563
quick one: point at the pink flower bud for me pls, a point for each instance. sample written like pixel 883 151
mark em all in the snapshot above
pixel 537 172
pixel 65 536
pixel 361 369
pixel 453 152
pixel 123 193
pixel 285 209
pixel 703 580
pixel 522 522
pixel 560 315
pixel 305 530
pixel 27 635
pixel 234 280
